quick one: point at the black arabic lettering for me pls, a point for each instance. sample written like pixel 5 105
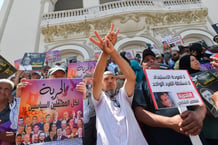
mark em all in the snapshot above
pixel 61 90
pixel 79 68
pixel 45 90
pixel 75 103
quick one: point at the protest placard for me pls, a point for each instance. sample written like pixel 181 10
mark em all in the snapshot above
pixel 172 88
pixel 206 82
pixel 17 63
pixel 53 108
pixel 6 69
pixel 32 61
pixel 53 57
pixel 81 69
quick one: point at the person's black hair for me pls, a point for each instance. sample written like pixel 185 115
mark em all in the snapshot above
pixel 36 125
pixel 123 55
pixel 146 52
pixel 159 100
pixel 196 47
pixel 185 63
pixel 18 135
pixel 215 37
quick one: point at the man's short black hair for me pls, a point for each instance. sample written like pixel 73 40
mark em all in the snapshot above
pixel 147 52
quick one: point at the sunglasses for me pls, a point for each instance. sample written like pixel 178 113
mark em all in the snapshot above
pixel 174 54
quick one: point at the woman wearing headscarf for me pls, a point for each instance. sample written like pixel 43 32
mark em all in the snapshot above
pixel 190 63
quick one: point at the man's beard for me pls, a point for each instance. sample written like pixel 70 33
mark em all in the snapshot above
pixel 111 93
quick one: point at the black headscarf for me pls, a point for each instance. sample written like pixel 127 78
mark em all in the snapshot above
pixel 185 63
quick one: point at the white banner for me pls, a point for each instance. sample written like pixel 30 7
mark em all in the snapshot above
pixel 172 88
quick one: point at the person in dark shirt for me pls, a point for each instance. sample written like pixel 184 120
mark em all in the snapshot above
pixel 164 126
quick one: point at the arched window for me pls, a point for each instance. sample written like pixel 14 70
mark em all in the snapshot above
pixel 68 4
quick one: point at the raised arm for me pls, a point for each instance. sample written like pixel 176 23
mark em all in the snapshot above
pixel 98 75
pixel 123 65
pixel 111 35
pixel 99 68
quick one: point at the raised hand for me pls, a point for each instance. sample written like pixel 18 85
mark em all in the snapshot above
pixel 99 43
pixel 81 87
pixel 214 62
pixel 108 47
pixel 111 35
pixel 215 98
pixel 23 83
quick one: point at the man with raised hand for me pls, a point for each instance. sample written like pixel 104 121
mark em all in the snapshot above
pixel 116 123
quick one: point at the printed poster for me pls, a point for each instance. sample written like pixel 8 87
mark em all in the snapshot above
pixel 32 61
pixel 17 63
pixel 71 59
pixel 50 110
pixel 81 69
pixel 6 69
pixel 172 88
pixel 52 57
pixel 206 82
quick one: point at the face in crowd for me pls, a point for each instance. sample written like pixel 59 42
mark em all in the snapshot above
pixel 27 120
pixel 34 120
pixel 58 74
pixel 194 63
pixel 18 139
pixel 55 116
pixel 26 60
pixel 41 137
pixel 165 100
pixel 46 127
pixel 35 138
pixel 175 55
pixel 150 62
pixel 109 81
pixel 5 92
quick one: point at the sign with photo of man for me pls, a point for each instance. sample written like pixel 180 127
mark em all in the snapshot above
pixel 206 82
pixel 32 61
pixel 47 106
pixel 172 88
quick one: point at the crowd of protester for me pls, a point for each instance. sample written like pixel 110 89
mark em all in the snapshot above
pixel 119 109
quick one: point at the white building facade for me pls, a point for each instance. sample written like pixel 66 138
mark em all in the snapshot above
pixel 65 25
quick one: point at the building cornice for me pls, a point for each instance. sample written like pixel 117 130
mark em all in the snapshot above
pixel 132 22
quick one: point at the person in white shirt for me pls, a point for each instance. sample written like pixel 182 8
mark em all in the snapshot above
pixel 116 123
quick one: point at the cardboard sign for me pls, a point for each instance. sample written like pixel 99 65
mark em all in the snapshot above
pixel 6 69
pixel 50 105
pixel 52 57
pixel 32 61
pixel 81 69
pixel 206 82
pixel 172 88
